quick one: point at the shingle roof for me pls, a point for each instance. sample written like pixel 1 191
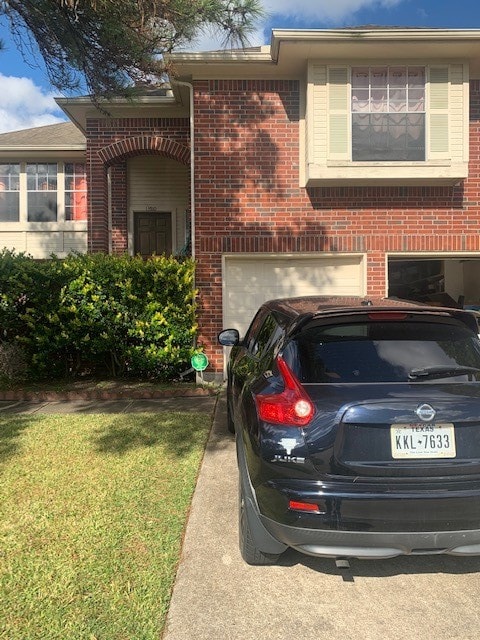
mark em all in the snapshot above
pixel 64 134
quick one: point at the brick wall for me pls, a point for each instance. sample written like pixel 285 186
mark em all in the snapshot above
pixel 110 142
pixel 248 198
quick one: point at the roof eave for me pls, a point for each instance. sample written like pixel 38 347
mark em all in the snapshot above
pixel 219 57
pixel 76 108
pixel 40 148
pixel 371 35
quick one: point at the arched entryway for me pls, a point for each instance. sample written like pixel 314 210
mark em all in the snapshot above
pixel 147 195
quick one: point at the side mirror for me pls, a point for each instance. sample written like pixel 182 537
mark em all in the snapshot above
pixel 229 337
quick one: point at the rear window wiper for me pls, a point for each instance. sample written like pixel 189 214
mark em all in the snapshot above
pixel 440 371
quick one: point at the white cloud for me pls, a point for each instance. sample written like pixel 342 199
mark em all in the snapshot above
pixel 23 105
pixel 324 10
pixel 213 40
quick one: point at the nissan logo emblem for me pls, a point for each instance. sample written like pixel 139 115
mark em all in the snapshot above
pixel 425 412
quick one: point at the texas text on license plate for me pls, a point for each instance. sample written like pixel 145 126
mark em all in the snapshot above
pixel 420 440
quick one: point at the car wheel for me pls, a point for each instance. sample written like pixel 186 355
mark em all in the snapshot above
pixel 250 552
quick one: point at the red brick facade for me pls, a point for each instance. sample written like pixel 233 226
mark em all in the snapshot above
pixel 247 194
pixel 110 142
pixel 248 197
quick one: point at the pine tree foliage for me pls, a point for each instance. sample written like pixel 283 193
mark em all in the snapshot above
pixel 108 45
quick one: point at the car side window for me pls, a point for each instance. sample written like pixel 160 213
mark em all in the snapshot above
pixel 252 332
pixel 268 333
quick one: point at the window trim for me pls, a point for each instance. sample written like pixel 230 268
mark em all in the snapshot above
pixel 6 190
pixel 61 224
pixel 327 165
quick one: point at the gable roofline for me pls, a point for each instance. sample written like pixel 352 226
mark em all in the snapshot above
pixel 371 34
pixel 289 50
pixel 60 137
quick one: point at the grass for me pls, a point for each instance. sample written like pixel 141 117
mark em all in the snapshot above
pixel 92 512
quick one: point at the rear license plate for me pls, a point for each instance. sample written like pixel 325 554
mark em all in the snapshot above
pixel 420 440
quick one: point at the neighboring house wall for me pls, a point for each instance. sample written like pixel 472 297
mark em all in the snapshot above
pixel 45 210
pixel 248 198
pixel 43 190
pixel 111 142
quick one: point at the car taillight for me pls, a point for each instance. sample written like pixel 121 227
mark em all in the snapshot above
pixel 291 407
pixel 308 507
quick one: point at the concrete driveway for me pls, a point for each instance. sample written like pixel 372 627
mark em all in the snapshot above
pixel 217 596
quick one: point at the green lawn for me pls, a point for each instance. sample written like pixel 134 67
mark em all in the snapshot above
pixel 92 511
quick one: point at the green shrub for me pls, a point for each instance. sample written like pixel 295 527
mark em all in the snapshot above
pixel 99 314
pixel 13 364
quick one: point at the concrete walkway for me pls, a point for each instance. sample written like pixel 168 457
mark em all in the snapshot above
pixel 204 403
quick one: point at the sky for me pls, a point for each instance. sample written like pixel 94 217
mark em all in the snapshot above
pixel 27 98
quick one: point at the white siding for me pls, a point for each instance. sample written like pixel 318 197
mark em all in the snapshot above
pixel 160 184
pixel 459 108
pixel 317 145
pixel 41 244
pixel 13 241
pixel 74 241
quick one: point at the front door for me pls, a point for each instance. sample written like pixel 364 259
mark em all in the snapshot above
pixel 153 233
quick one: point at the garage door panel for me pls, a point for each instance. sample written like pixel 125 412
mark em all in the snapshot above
pixel 249 282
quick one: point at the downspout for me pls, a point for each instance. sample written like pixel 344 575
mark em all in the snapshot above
pixel 189 85
pixel 109 209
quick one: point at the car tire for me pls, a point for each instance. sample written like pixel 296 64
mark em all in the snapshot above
pixel 250 552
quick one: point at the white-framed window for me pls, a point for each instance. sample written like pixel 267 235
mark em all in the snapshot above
pixel 388 111
pixel 393 113
pixel 75 191
pixel 391 123
pixel 10 192
pixel 43 192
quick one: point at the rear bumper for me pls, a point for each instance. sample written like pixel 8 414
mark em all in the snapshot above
pixel 374 521
pixel 360 506
pixel 364 519
pixel 360 544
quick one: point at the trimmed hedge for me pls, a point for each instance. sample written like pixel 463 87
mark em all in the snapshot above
pixel 98 314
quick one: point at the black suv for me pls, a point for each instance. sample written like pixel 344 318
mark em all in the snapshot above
pixel 357 427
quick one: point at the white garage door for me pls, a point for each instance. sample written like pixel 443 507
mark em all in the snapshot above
pixel 248 282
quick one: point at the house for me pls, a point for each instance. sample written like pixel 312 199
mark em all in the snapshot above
pixel 43 190
pixel 342 161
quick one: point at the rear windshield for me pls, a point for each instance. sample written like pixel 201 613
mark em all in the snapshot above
pixel 381 351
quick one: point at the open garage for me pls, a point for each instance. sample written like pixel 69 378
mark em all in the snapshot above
pixel 452 281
